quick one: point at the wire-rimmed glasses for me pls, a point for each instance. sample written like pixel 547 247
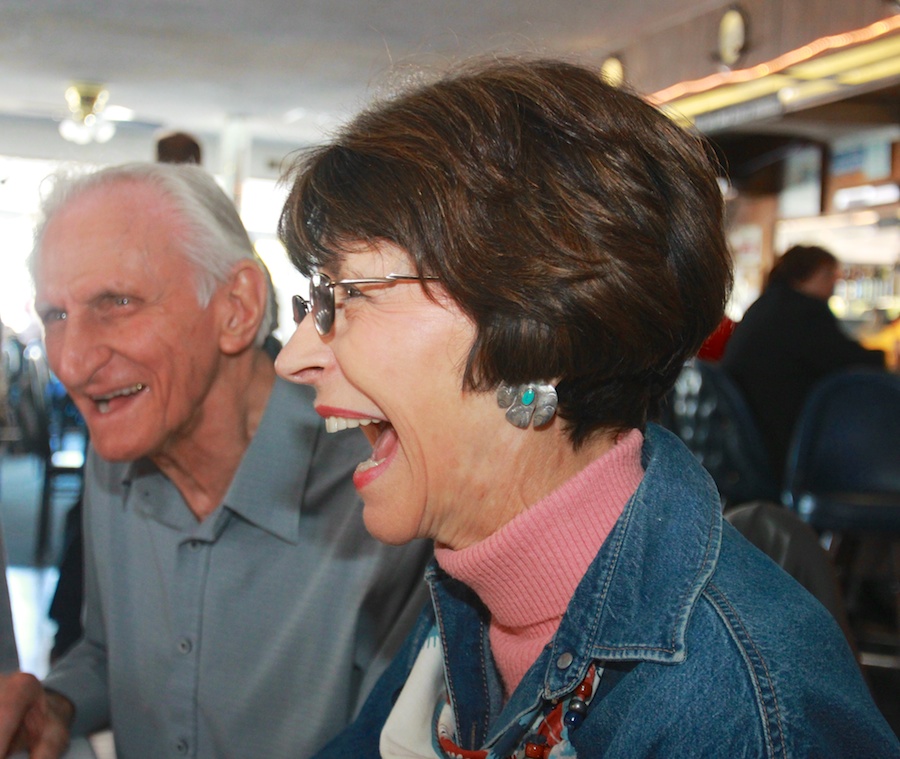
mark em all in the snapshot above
pixel 321 297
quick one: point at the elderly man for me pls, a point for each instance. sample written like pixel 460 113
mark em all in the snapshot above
pixel 235 605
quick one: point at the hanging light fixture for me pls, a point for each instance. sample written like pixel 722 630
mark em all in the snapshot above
pixel 86 122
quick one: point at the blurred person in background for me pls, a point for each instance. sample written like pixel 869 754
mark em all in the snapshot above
pixel 787 341
pixel 179 147
pixel 508 269
pixel 235 605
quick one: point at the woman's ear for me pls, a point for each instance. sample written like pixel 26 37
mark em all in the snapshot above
pixel 243 300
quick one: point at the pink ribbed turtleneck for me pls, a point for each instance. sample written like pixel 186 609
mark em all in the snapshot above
pixel 527 571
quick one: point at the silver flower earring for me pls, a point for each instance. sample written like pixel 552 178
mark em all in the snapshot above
pixel 533 402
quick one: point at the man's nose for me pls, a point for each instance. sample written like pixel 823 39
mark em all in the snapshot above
pixel 75 352
pixel 306 355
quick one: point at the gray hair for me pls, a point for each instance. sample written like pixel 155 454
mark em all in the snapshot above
pixel 215 238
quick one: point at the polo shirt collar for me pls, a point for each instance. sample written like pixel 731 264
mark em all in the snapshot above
pixel 268 485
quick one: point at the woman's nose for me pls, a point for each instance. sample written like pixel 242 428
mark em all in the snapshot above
pixel 305 357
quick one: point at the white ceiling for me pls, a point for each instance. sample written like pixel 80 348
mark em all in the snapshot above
pixel 285 68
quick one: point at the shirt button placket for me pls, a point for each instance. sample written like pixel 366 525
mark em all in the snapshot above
pixel 190 581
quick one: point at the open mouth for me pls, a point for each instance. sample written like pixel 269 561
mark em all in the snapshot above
pixel 381 435
pixel 384 446
pixel 103 401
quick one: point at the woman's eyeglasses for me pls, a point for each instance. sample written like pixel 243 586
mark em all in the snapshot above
pixel 321 297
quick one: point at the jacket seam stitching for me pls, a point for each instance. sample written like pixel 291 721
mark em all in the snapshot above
pixel 743 639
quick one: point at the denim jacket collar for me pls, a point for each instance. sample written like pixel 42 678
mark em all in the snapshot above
pixel 623 610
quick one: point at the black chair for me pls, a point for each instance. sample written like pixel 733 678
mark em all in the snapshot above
pixel 843 469
pixel 708 412
pixel 793 545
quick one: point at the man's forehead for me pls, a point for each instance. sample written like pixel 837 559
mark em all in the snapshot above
pixel 116 209
pixel 108 232
pixel 140 198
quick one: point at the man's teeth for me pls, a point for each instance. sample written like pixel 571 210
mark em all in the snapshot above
pixel 103 400
pixel 338 423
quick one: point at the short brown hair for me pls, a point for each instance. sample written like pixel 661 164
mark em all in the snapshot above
pixel 178 147
pixel 799 263
pixel 578 227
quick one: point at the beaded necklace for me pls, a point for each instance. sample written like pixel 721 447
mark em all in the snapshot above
pixel 566 714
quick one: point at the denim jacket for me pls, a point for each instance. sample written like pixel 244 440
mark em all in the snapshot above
pixel 707 648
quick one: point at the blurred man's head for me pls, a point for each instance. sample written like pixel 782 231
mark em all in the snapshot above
pixel 148 288
pixel 178 147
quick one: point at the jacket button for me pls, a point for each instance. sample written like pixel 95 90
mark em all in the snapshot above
pixel 565 660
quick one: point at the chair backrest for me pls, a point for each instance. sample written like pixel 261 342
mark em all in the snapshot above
pixel 708 412
pixel 794 546
pixel 847 439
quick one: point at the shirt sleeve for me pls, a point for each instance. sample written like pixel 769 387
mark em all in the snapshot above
pixel 396 591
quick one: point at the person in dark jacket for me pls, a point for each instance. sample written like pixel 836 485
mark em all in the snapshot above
pixel 787 341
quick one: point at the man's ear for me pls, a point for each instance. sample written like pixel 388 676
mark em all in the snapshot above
pixel 242 300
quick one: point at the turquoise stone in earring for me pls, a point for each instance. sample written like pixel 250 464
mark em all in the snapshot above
pixel 531 403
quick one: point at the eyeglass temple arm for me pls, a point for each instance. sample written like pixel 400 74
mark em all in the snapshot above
pixel 380 280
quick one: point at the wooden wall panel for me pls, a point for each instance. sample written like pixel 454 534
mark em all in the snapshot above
pixel 687 51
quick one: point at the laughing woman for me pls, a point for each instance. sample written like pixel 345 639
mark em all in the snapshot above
pixel 508 268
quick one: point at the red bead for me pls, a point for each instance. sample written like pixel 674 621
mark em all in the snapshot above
pixel 534 751
pixel 584 691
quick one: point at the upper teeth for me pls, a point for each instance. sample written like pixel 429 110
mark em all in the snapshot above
pixel 118 393
pixel 102 401
pixel 337 423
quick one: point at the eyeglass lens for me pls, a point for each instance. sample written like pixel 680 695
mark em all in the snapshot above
pixel 321 303
pixel 321 296
pixel 300 307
